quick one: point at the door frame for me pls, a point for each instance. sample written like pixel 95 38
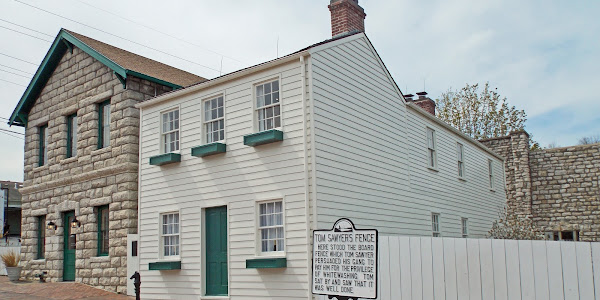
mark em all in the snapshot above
pixel 204 249
pixel 66 230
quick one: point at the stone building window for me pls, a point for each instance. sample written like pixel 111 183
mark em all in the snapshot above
pixel 431 151
pixel 72 135
pixel 268 106
pixel 41 237
pixel 103 238
pixel 43 150
pixel 563 235
pixel 170 131
pixel 435 225
pixel 104 124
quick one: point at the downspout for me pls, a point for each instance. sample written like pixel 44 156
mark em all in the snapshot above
pixel 139 198
pixel 313 144
pixel 306 180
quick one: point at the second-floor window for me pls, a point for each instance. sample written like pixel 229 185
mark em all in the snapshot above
pixel 460 157
pixel 170 131
pixel 104 124
pixel 268 108
pixel 431 154
pixel 43 151
pixel 72 135
pixel 491 173
pixel 214 121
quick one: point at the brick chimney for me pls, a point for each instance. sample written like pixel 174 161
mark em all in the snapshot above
pixel 425 102
pixel 346 17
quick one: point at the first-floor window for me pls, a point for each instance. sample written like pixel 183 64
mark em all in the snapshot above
pixel 41 237
pixel 103 230
pixel 170 234
pixel 464 226
pixel 563 235
pixel 435 224
pixel 271 227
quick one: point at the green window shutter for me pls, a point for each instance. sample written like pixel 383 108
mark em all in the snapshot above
pixel 102 219
pixel 41 237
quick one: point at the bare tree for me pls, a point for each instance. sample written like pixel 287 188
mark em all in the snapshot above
pixel 592 139
pixel 514 227
pixel 478 114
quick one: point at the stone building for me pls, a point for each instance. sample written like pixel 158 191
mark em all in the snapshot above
pixel 557 187
pixel 81 158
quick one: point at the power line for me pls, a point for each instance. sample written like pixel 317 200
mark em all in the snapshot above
pixel 106 32
pixel 6 130
pixel 161 32
pixel 13 82
pixel 19 59
pixel 16 69
pixel 14 73
pixel 15 136
pixel 26 28
pixel 33 36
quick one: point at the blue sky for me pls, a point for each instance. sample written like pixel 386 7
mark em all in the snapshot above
pixel 544 56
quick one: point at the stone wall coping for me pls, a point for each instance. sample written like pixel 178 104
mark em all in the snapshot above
pixel 505 136
pixel 568 148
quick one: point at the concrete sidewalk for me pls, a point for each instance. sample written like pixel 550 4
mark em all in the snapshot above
pixel 53 290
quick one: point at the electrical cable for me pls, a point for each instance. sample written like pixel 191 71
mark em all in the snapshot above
pixel 33 36
pixel 18 137
pixel 14 73
pixel 1 129
pixel 16 69
pixel 19 59
pixel 12 82
pixel 9 22
pixel 106 32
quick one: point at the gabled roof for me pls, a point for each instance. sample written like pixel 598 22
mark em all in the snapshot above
pixel 123 63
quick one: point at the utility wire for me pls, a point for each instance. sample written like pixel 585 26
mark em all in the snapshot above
pixel 19 59
pixel 156 30
pixel 16 70
pixel 33 36
pixel 14 73
pixel 13 82
pixel 18 137
pixel 26 27
pixel 6 130
pixel 106 32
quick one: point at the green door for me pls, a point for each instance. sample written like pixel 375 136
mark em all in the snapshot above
pixel 69 248
pixel 216 251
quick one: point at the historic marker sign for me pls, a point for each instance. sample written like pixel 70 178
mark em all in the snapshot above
pixel 345 261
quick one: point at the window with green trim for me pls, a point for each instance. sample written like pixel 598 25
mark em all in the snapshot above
pixel 103 239
pixel 43 146
pixel 41 237
pixel 104 124
pixel 72 135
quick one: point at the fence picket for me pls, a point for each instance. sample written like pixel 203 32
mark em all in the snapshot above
pixel 596 268
pixel 427 268
pixel 570 279
pixel 450 268
pixel 526 270
pixel 415 267
pixel 439 283
pixel 513 278
pixel 385 285
pixel 394 261
pixel 405 271
pixel 555 273
pixel 462 269
pixel 584 270
pixel 499 259
pixel 487 269
pixel 474 269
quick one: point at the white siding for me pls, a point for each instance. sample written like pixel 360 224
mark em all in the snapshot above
pixel 237 179
pixel 371 154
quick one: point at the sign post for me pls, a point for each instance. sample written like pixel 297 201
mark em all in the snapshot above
pixel 345 262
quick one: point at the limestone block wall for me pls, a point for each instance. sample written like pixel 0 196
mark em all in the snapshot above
pixel 558 188
pixel 94 177
pixel 565 191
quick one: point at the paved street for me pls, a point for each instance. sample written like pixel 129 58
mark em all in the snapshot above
pixel 53 290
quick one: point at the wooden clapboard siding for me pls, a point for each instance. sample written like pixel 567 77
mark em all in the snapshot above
pixel 237 178
pixel 371 153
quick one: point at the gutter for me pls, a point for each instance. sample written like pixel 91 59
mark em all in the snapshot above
pixel 454 130
pixel 222 79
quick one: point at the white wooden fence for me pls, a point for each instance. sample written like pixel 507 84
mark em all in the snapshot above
pixel 5 249
pixel 482 269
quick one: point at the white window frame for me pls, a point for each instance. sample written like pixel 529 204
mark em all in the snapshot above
pixel 491 173
pixel 161 236
pixel 258 230
pixel 464 225
pixel 460 157
pixel 431 148
pixel 205 122
pixel 435 225
pixel 256 108
pixel 163 134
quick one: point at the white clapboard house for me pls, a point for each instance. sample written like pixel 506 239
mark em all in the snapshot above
pixel 236 172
